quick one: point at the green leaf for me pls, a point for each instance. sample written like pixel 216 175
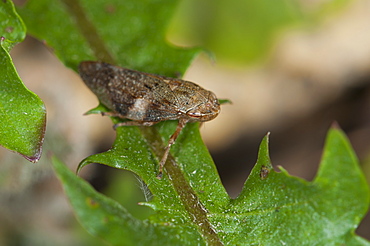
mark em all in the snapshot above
pixel 173 199
pixel 191 207
pixel 126 33
pixel 107 219
pixel 274 208
pixel 12 29
pixel 98 110
pixel 22 121
pixel 281 209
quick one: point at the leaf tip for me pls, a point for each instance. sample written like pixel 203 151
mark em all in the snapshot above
pixel 224 101
pixel 37 150
pixel 83 163
pixel 100 109
pixel 335 125
pixel 79 167
pixel 265 141
pixel 34 158
pixel 283 170
pixel 263 153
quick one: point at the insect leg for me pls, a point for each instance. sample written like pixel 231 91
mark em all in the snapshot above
pixel 182 123
pixel 134 123
pixel 112 114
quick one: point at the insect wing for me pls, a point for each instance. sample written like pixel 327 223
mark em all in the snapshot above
pixel 132 94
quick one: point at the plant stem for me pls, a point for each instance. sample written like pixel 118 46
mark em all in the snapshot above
pixel 191 202
pixel 89 31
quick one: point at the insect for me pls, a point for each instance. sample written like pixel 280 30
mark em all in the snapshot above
pixel 147 99
pixel 264 172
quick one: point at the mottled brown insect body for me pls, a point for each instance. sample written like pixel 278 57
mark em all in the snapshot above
pixel 264 172
pixel 147 99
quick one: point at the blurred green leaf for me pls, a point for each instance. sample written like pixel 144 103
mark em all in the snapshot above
pixel 129 190
pixel 23 117
pixel 242 32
